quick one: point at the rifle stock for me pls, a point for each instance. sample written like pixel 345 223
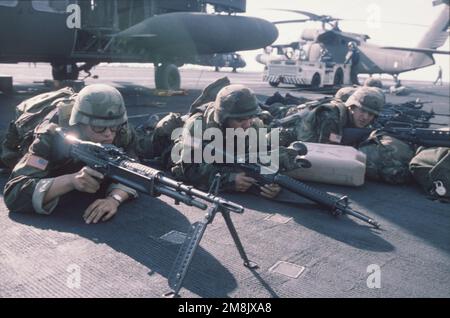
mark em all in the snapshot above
pixel 291 119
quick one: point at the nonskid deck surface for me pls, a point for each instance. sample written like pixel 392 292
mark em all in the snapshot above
pixel 301 250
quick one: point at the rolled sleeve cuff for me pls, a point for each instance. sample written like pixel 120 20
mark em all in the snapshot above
pixel 131 192
pixel 39 193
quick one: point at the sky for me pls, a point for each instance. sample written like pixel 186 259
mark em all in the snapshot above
pixel 387 22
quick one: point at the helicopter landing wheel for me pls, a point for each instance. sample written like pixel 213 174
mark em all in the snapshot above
pixel 315 82
pixel 167 77
pixel 274 84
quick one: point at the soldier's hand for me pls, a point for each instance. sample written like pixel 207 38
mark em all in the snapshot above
pixel 270 191
pixel 242 183
pixel 101 209
pixel 87 180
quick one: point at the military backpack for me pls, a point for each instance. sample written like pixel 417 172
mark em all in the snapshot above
pixel 29 115
pixel 387 158
pixel 431 169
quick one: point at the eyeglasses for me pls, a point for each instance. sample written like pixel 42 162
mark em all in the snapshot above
pixel 101 129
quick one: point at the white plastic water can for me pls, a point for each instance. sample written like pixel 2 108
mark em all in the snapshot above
pixel 333 164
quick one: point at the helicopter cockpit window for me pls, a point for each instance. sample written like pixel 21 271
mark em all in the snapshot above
pixel 289 53
pixel 302 55
pixel 303 51
pixel 9 3
pixel 55 6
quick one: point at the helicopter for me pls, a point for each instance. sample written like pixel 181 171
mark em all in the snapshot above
pixel 322 53
pixel 219 60
pixel 76 35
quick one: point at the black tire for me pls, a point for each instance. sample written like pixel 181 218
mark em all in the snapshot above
pixel 61 72
pixel 274 84
pixel 338 78
pixel 315 82
pixel 6 86
pixel 167 77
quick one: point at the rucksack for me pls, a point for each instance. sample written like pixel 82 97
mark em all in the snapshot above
pixel 154 138
pixel 209 94
pixel 431 169
pixel 29 115
pixel 387 158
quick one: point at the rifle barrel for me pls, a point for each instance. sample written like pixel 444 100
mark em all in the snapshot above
pixel 140 177
pixel 181 187
pixel 320 197
pixel 440 114
pixel 348 210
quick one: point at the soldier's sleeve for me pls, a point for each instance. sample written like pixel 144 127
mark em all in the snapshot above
pixel 131 192
pixel 199 174
pixel 29 180
pixel 328 127
pixel 127 140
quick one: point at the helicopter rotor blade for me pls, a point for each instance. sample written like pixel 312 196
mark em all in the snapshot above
pixel 312 16
pixel 291 21
pixel 388 22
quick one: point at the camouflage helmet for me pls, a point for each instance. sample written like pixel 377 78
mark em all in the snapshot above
pixel 373 82
pixel 99 105
pixel 370 99
pixel 234 102
pixel 344 93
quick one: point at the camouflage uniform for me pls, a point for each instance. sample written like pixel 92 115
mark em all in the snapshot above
pixel 202 174
pixel 322 124
pixel 232 102
pixel 387 158
pixel 154 138
pixel 325 123
pixel 30 113
pixel 32 177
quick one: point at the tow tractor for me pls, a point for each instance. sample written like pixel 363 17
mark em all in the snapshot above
pixel 304 73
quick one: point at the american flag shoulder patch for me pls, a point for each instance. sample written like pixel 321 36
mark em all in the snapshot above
pixel 335 138
pixel 37 162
